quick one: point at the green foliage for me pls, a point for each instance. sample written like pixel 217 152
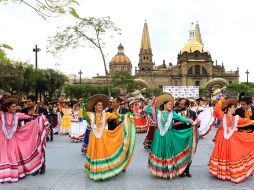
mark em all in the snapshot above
pixel 85 32
pixel 203 93
pixel 86 90
pixel 236 88
pixel 49 8
pixel 124 81
pixel 3 58
pixel 21 79
pixel 150 92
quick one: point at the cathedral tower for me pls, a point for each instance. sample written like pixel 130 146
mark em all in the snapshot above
pixel 145 55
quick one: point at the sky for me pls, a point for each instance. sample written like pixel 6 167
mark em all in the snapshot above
pixel 227 29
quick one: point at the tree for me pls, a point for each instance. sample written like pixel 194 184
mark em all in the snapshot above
pixel 86 31
pixel 150 92
pixel 55 82
pixel 86 90
pixel 124 81
pixel 49 8
pixel 236 88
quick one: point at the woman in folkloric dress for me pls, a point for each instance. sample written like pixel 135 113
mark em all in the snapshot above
pixel 109 151
pixel 66 119
pixel 233 154
pixel 140 116
pixel 152 126
pixel 78 125
pixel 172 150
pixel 22 146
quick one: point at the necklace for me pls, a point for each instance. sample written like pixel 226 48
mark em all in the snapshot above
pixel 14 123
pixel 97 134
pixel 161 122
pixel 229 130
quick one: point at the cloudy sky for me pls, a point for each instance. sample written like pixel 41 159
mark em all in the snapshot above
pixel 227 29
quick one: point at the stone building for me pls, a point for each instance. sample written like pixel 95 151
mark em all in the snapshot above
pixel 194 67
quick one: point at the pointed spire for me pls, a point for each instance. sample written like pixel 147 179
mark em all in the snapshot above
pixel 198 34
pixel 145 41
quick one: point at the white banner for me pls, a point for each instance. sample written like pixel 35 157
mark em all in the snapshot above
pixel 182 91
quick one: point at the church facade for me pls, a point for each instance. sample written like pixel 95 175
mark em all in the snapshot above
pixel 194 67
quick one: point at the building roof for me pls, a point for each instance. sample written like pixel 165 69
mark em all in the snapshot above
pixel 195 42
pixel 120 57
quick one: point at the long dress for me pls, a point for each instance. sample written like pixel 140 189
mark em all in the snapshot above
pixel 66 120
pixel 21 148
pixel 172 150
pixel 109 151
pixel 140 119
pixel 233 154
pixel 150 133
pixel 78 126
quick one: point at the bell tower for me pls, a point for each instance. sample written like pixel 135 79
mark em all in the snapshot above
pixel 145 55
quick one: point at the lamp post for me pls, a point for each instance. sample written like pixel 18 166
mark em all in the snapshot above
pixel 36 50
pixel 247 73
pixel 80 73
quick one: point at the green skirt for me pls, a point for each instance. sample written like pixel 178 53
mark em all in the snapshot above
pixel 172 153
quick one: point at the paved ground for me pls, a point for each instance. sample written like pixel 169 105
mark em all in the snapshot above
pixel 64 172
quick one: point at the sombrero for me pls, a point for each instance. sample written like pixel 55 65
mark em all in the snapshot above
pixel 216 91
pixel 11 98
pixel 192 100
pixel 135 93
pixel 229 101
pixel 164 97
pixel 97 98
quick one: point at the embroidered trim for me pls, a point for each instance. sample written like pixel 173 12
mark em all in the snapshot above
pixel 97 134
pixel 164 130
pixel 228 130
pixel 9 134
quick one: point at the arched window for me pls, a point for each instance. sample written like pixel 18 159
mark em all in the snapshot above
pixel 197 69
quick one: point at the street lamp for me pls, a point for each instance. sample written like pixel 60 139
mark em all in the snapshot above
pixel 247 73
pixel 36 50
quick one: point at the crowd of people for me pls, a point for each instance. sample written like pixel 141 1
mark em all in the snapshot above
pixel 107 129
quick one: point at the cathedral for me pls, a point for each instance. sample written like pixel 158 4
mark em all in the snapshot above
pixel 194 67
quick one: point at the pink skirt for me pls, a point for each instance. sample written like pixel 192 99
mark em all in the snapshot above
pixel 22 154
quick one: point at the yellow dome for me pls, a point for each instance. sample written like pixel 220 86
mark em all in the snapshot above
pixel 120 59
pixel 191 46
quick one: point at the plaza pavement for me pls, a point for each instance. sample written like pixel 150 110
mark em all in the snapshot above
pixel 65 172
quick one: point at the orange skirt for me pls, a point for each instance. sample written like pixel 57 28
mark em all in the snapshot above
pixel 233 159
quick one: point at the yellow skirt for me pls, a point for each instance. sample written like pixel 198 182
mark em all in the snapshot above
pixel 109 155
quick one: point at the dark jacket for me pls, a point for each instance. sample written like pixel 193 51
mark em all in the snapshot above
pixel 241 113
pixel 39 110
pixel 178 125
pixel 112 124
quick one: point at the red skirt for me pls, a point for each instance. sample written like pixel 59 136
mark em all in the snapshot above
pixel 233 159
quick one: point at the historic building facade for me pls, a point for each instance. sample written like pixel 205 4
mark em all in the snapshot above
pixel 194 66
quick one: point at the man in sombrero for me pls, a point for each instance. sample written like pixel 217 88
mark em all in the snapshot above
pixel 172 150
pixel 109 151
pixel 118 109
